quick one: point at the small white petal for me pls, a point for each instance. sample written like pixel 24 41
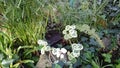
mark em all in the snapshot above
pixel 54 51
pixel 72 27
pixel 39 42
pixel 73 33
pixel 47 48
pixel 67 36
pixel 64 32
pixel 58 49
pixel 61 56
pixel 77 46
pixel 58 55
pixel 42 42
pixel 63 50
pixel 80 46
pixel 74 46
pixel 67 27
pixel 58 52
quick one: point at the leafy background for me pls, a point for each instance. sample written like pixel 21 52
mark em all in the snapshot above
pixel 23 22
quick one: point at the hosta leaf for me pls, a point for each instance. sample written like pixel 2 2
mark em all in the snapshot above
pixel 1 56
pixel 7 62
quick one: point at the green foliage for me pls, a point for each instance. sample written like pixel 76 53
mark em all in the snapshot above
pixel 117 66
pixel 23 22
pixel 107 57
pixel 86 29
pixel 95 65
pixel 7 55
pixel 57 66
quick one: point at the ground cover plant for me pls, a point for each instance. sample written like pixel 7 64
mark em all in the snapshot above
pixel 59 33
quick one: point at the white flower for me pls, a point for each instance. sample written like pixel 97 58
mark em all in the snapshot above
pixel 59 52
pixel 77 46
pixel 42 42
pixel 67 36
pixel 80 46
pixel 73 33
pixel 69 32
pixel 65 32
pixel 61 56
pixel 68 27
pixel 56 51
pixel 76 49
pixel 47 48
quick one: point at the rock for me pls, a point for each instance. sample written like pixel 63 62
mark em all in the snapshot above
pixel 43 62
pixel 106 41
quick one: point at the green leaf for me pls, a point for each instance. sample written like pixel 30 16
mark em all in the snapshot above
pixel 27 61
pixel 118 66
pixel 1 56
pixel 16 65
pixel 107 57
pixel 73 60
pixel 7 62
pixel 94 64
pixel 57 66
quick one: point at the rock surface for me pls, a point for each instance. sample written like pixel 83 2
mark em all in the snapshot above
pixel 43 62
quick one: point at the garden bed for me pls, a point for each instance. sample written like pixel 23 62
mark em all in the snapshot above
pixel 60 34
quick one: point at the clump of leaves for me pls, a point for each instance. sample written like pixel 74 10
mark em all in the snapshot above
pixel 86 29
pixel 107 57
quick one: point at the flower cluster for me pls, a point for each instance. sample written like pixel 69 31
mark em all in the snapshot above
pixel 62 53
pixel 59 52
pixel 45 47
pixel 70 32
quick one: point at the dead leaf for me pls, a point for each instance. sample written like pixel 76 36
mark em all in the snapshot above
pixel 118 39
